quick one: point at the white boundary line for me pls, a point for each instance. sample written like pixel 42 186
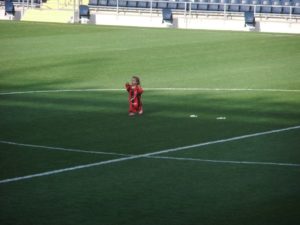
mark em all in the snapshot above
pixel 153 157
pixel 149 89
pixel 146 155
pixel 61 149
pixel 227 161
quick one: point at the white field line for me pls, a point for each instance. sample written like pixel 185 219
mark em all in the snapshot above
pixel 61 149
pixel 150 155
pixel 150 89
pixel 226 161
pixel 153 157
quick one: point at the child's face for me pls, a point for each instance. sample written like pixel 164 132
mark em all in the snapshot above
pixel 133 81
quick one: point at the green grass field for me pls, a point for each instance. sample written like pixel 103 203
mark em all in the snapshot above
pixel 248 181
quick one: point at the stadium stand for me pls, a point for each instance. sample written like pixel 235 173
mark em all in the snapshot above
pixel 276 7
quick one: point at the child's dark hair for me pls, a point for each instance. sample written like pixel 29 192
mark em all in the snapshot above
pixel 137 79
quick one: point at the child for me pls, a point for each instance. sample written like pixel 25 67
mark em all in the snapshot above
pixel 135 93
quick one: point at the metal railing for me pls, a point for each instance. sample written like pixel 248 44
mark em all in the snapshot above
pixel 190 8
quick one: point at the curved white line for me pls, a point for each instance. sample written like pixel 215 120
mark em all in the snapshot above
pixel 150 89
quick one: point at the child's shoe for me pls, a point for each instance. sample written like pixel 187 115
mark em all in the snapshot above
pixel 131 114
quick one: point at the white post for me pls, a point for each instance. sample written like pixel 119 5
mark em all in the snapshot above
pixel 151 9
pixel 291 12
pixel 118 7
pixel 74 10
pixel 23 7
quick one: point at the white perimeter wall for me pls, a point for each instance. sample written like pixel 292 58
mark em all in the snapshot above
pixel 195 22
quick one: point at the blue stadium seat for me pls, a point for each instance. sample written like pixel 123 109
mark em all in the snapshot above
pixel 181 5
pixel 277 7
pixel 286 9
pixel 266 8
pixel 154 5
pixel 112 3
pixel 222 5
pixel 162 5
pixel 172 5
pixel 102 2
pixel 234 6
pixel 194 6
pixel 122 3
pixel 297 8
pixel 213 6
pixel 141 4
pixel 132 4
pixel 93 2
pixel 245 6
pixel 256 6
pixel 203 5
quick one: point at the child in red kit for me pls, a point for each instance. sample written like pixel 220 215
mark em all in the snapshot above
pixel 135 94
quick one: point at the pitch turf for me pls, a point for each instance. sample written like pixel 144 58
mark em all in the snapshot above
pixel 148 190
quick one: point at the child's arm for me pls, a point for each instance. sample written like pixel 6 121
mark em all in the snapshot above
pixel 127 86
pixel 139 90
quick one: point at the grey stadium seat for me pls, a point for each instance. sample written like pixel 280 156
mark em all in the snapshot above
pixel 245 6
pixel 234 7
pixel 102 2
pixel 277 7
pixel 213 6
pixel 142 4
pixel 297 8
pixel 222 5
pixel 266 8
pixel 172 5
pixel 286 9
pixel 256 4
pixel 93 2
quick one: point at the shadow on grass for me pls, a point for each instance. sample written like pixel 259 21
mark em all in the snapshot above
pixel 99 121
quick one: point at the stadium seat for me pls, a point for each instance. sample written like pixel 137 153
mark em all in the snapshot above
pixel 256 7
pixel 213 6
pixel 249 19
pixel 154 5
pixel 162 5
pixel 194 6
pixel 286 9
pixel 167 15
pixel 181 5
pixel 202 5
pixel 132 4
pixel 93 2
pixel 172 5
pixel 9 8
pixel 112 3
pixel 297 8
pixel 234 6
pixel 141 4
pixel 102 2
pixel 222 5
pixel 84 11
pixel 245 6
pixel 266 8
pixel 277 7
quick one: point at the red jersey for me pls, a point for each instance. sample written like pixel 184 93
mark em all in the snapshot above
pixel 134 98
